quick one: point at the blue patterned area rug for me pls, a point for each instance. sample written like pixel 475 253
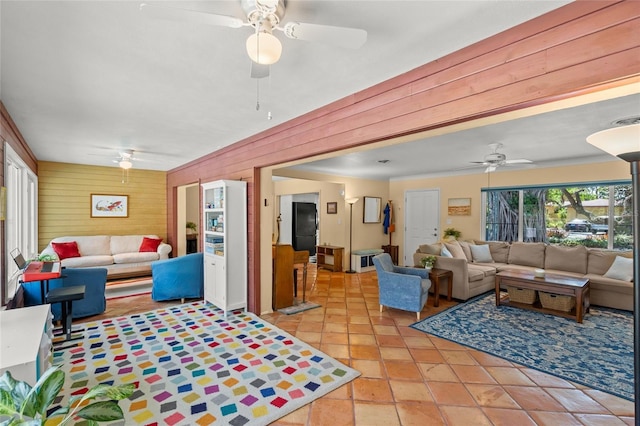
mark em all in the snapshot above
pixel 597 353
pixel 193 366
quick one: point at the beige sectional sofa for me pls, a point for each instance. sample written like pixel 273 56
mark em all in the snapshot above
pixel 611 286
pixel 119 254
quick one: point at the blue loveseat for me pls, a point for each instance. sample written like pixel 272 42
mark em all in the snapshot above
pixel 94 302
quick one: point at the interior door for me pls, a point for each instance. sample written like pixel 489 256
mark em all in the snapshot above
pixel 422 220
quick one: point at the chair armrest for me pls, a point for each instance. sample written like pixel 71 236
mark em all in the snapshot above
pixel 420 272
pixel 163 250
pixel 410 285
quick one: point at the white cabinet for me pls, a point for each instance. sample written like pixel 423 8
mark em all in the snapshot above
pixel 225 243
pixel 25 342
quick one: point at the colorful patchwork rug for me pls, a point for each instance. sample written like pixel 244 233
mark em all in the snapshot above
pixel 193 366
pixel 597 353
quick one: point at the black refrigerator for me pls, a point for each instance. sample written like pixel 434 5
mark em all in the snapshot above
pixel 304 227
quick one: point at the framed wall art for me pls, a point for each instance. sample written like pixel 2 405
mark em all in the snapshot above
pixel 109 205
pixel 332 208
pixel 459 207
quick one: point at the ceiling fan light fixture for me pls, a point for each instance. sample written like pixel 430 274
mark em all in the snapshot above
pixel 125 164
pixel 264 48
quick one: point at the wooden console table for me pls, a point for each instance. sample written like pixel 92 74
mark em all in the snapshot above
pixel 330 257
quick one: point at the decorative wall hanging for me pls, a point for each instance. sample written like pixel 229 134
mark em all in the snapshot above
pixel 109 205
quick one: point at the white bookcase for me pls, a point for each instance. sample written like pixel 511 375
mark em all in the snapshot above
pixel 225 243
pixel 26 342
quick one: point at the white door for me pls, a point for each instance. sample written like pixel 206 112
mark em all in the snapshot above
pixel 422 220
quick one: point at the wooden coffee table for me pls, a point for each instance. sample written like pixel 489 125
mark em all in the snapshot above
pixel 550 283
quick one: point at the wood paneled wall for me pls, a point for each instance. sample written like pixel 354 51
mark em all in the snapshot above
pixel 583 47
pixel 64 201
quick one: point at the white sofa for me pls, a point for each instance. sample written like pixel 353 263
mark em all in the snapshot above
pixel 119 254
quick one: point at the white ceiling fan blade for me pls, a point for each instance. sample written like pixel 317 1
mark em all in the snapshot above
pixel 352 38
pixel 519 161
pixel 482 163
pixel 259 70
pixel 184 15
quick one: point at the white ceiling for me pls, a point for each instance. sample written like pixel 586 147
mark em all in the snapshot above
pixel 84 80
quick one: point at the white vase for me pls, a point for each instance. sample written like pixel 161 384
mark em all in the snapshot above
pixel 428 268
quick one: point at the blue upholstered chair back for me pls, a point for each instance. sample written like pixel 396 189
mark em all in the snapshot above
pixel 401 287
pixel 178 278
pixel 94 302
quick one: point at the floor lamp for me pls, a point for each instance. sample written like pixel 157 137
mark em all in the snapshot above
pixel 351 202
pixel 624 142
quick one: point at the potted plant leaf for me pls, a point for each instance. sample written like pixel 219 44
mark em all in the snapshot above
pixel 451 234
pixel 21 404
pixel 192 228
pixel 428 262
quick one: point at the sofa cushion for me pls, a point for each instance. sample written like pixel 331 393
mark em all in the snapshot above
pixel 445 252
pixel 135 257
pixel 527 254
pixel 570 259
pixel 499 250
pixel 455 249
pixel 87 261
pixel 88 245
pixel 466 248
pixel 621 269
pixel 430 248
pixel 601 260
pixel 481 253
pixel 151 244
pixel 487 270
pixel 127 243
pixel 66 250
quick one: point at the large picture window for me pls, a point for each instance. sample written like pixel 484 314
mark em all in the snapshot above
pixel 593 215
pixel 21 224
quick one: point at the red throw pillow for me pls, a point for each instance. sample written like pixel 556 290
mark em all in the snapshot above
pixel 149 244
pixel 66 250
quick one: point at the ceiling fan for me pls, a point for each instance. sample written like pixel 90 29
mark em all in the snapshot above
pixel 125 160
pixel 496 159
pixel 264 16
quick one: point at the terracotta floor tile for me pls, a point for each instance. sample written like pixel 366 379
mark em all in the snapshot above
pixel 487 360
pixel 364 352
pixel 450 394
pixel 508 417
pixel 325 411
pixel 353 319
pixel 437 372
pixel 331 327
pixel 362 339
pixel 446 345
pixel 417 342
pixel 360 328
pixel 426 355
pixel 369 368
pixel 381 319
pixel 546 380
pixel 389 330
pixel 464 416
pixel 315 327
pixel 365 389
pixel 617 405
pixel 335 338
pixel 491 396
pixel 473 374
pixel 384 340
pixel 423 414
pixel 533 398
pixel 374 414
pixel 576 401
pixel 509 376
pixel 402 370
pixel 410 391
pixel 546 418
pixel 308 336
pixel 395 353
pixel 457 357
pixel 599 420
pixel 336 351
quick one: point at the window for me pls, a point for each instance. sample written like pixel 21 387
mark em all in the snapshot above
pixel 21 225
pixel 593 215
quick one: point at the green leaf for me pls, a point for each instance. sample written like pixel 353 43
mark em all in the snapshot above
pixel 7 404
pixel 48 390
pixel 101 411
pixel 120 392
pixel 7 382
pixel 20 393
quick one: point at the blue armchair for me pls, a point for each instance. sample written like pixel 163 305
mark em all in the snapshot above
pixel 399 287
pixel 94 301
pixel 178 278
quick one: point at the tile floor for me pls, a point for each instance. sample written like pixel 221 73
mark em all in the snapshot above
pixel 411 378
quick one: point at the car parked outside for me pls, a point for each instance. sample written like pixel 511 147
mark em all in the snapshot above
pixel 578 225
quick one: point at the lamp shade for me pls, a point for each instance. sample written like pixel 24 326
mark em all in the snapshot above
pixel 264 48
pixel 623 141
pixel 351 200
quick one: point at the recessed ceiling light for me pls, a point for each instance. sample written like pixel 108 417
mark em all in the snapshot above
pixel 383 161
pixel 626 121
